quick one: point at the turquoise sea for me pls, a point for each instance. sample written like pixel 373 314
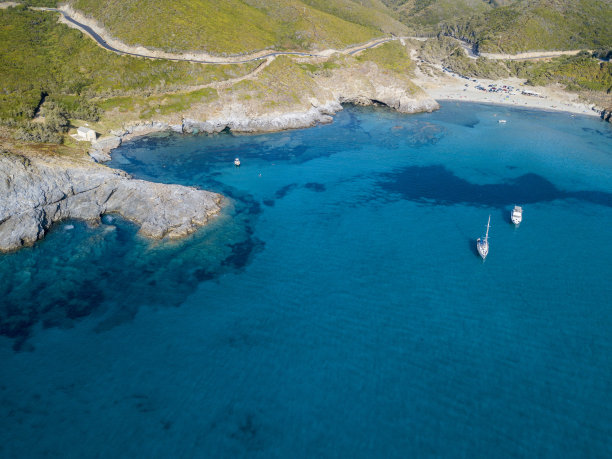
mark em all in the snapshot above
pixel 337 307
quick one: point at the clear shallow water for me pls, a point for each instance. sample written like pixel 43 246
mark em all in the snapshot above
pixel 337 308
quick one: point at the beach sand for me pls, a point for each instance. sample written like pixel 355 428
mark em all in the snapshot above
pixel 446 86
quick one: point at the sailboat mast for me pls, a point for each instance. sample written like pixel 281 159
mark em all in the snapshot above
pixel 488 226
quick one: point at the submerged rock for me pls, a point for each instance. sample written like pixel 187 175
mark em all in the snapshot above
pixel 37 191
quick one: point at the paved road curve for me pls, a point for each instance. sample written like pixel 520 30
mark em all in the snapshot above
pixel 93 34
pixel 351 50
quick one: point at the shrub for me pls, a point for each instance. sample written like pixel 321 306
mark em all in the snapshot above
pixel 56 119
pixel 36 132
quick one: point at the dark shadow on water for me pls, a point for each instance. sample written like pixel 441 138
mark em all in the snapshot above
pixel 605 132
pixel 284 191
pixel 317 187
pixel 437 185
pixel 473 249
pixel 243 252
pixel 107 273
pixel 506 215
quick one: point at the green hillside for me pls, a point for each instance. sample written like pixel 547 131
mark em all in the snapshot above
pixel 538 25
pixel 427 16
pixel 40 58
pixel 512 26
pixel 241 26
pixel 577 73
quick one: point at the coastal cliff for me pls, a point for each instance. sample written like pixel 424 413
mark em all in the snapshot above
pixel 294 102
pixel 285 95
pixel 37 191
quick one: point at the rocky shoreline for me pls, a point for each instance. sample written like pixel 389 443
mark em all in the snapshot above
pixel 363 84
pixel 38 191
pixel 100 150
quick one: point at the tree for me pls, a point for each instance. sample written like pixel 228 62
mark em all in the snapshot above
pixel 56 119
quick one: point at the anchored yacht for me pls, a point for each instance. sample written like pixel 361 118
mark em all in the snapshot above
pixel 237 162
pixel 483 244
pixel 517 215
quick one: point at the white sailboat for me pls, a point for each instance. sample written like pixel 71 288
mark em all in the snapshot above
pixel 237 162
pixel 517 215
pixel 483 244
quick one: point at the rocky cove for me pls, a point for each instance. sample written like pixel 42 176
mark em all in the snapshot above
pixel 263 108
pixel 37 190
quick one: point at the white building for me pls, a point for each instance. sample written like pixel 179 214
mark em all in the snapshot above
pixel 85 133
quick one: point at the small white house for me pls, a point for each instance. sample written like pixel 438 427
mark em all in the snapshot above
pixel 85 133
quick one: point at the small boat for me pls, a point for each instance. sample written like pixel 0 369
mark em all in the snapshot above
pixel 501 121
pixel 483 244
pixel 237 162
pixel 517 215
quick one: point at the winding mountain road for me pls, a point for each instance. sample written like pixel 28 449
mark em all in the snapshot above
pixel 101 41
pixel 77 21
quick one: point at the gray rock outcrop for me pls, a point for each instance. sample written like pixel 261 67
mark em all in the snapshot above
pixel 36 191
pixel 241 121
pixel 368 84
pixel 100 150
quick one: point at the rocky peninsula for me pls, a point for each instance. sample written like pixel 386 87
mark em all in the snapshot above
pixel 39 190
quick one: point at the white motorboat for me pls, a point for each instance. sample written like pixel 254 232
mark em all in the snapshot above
pixel 237 162
pixel 517 215
pixel 483 244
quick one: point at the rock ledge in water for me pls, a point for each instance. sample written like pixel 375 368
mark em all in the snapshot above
pixel 37 191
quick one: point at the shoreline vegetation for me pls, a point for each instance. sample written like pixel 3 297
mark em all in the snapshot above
pixel 55 79
pixel 92 92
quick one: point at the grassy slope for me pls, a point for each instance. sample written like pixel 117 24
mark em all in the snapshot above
pixel 369 13
pixel 513 25
pixel 426 16
pixel 38 55
pixel 240 26
pixel 159 104
pixel 391 56
pixel 284 83
pixel 577 73
pixel 539 25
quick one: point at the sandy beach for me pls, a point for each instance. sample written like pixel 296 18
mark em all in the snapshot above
pixel 447 86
